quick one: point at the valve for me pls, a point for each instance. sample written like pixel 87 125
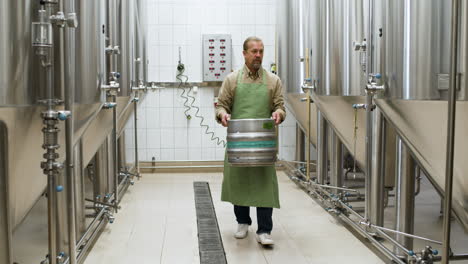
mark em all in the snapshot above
pixel 64 115
pixel 309 84
pixel 116 75
pixel 360 46
pixel 113 50
pixel 359 106
pixel 132 182
pixel 61 21
pixel 109 105
pixel 112 88
pixel 60 256
pixel 59 188
pixel 136 100
pixel 110 217
pixel 411 253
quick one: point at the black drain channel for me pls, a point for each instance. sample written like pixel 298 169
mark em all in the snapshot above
pixel 210 244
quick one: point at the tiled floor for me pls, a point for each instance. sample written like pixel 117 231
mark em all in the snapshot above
pixel 157 224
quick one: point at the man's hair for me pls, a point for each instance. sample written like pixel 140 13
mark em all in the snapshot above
pixel 246 42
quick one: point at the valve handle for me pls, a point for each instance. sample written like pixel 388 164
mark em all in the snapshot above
pixel 59 188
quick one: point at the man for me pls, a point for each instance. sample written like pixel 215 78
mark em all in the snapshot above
pixel 251 92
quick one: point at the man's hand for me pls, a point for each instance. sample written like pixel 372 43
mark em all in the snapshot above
pixel 277 117
pixel 225 119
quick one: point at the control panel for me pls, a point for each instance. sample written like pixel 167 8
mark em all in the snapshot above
pixel 217 57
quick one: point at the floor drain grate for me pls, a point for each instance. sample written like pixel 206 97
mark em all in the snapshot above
pixel 209 239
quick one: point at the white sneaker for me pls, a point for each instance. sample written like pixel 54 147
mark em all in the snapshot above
pixel 242 231
pixel 265 239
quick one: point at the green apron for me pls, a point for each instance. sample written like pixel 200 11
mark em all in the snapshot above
pixel 250 186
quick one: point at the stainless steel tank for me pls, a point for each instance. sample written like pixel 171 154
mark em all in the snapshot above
pixel 415 49
pixel 314 36
pixel 127 10
pixel 343 68
pixel 288 45
pixel 19 75
pixel 412 52
pixel 329 30
pixel 141 53
pixel 91 51
pixel 251 142
pixel 21 86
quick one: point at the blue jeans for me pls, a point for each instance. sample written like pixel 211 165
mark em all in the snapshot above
pixel 264 218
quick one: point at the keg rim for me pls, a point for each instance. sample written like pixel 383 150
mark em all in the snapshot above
pixel 250 119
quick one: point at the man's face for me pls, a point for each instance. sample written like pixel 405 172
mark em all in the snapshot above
pixel 254 55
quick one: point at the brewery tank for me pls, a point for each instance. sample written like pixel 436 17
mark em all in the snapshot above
pixel 415 52
pixel 329 30
pixel 288 44
pixel 19 75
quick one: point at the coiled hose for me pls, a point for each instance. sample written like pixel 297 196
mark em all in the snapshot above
pixel 202 120
pixel 180 75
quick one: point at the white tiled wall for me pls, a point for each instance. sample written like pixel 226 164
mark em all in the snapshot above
pixel 164 131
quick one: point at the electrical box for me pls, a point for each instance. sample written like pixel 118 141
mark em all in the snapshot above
pixel 217 57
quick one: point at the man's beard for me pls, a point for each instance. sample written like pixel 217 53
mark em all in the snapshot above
pixel 256 65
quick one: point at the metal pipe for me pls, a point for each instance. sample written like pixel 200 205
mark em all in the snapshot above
pixel 115 153
pixel 379 245
pixel 369 139
pixel 5 222
pixel 135 109
pixel 459 257
pixel 51 218
pixel 298 162
pixel 336 161
pixel 69 64
pixel 404 196
pixel 322 157
pixel 90 227
pixel 450 132
pixel 393 241
pixel 90 240
pixel 400 233
pixel 308 128
pixel 50 138
pixel 300 145
pixel 370 39
pixel 365 233
pixel 80 190
pixel 99 202
pixel 182 167
pixel 377 174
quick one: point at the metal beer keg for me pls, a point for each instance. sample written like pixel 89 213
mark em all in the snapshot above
pixel 251 142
